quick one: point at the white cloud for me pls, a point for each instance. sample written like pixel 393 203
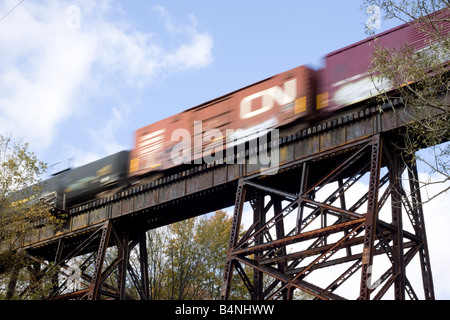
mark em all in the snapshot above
pixel 104 136
pixel 49 68
pixel 196 53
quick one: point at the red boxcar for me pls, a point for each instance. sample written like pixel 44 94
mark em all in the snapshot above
pixel 345 79
pixel 268 104
pixel 271 103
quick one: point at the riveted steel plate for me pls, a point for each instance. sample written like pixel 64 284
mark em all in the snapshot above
pixel 200 182
pixel 80 220
pixel 172 191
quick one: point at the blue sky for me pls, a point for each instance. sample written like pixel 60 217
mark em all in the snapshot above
pixel 77 78
pixel 82 76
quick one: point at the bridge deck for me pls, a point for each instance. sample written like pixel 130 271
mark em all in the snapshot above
pixel 205 188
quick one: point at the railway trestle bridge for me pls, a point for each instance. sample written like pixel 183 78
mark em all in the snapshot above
pixel 315 226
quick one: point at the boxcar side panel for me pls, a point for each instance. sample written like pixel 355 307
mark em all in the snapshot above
pixel 236 117
pixel 346 79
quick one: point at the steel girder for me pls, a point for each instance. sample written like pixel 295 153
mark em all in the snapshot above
pixel 101 274
pixel 319 239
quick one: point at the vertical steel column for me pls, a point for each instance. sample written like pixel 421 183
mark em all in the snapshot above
pixel 258 220
pixel 280 233
pixel 303 187
pixel 104 240
pixel 421 232
pixel 56 261
pixel 123 266
pixel 143 258
pixel 371 218
pixel 397 221
pixel 234 235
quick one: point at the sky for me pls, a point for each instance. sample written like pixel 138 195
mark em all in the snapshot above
pixel 78 77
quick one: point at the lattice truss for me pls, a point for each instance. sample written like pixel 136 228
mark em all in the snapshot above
pixel 107 272
pixel 351 231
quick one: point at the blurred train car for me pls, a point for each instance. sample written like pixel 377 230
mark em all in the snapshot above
pixel 288 99
pixel 280 100
pixel 268 104
pixel 346 78
pixel 84 183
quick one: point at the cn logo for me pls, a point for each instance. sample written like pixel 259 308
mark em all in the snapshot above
pixel 268 97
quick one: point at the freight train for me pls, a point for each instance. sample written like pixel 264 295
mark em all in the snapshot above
pixel 287 100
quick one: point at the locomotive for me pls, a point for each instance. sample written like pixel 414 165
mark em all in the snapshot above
pixel 286 101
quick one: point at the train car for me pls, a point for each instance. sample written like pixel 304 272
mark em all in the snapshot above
pixel 346 78
pixel 83 183
pixel 285 100
pixel 237 117
pixel 153 142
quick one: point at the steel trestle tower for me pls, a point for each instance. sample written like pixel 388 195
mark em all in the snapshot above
pixel 273 261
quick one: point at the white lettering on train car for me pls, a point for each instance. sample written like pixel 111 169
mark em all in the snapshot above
pixel 353 92
pixel 268 97
pixel 148 147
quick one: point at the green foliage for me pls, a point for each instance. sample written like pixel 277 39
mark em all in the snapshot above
pixel 186 259
pixel 421 80
pixel 20 211
pixel 19 174
pixel 406 10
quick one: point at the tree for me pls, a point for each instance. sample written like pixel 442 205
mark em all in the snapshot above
pixel 156 241
pixel 186 259
pixel 20 212
pixel 182 260
pixel 421 80
pixel 212 240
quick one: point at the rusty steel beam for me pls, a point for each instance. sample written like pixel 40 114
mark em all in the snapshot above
pixel 263 247
pixel 371 217
pixel 419 226
pixel 235 226
pixel 143 260
pixel 299 237
pixel 100 257
pixel 93 287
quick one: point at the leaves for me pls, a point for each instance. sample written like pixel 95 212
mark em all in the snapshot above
pixel 186 259
pixel 20 212
pixel 422 81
